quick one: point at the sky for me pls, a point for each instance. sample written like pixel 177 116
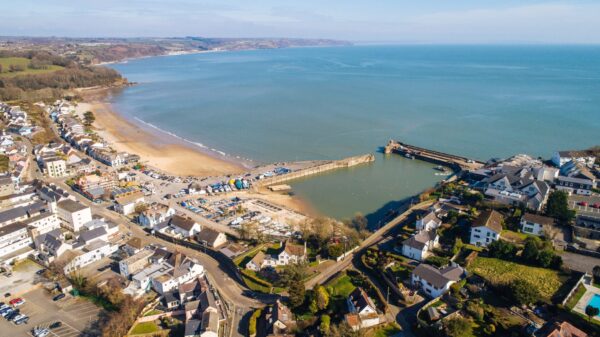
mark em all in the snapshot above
pixel 401 21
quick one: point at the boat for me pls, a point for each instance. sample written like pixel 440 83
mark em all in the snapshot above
pixel 409 156
pixel 440 168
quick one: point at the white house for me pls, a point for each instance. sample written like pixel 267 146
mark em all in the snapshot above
pixel 486 228
pixel 184 226
pixel 73 214
pixel 433 281
pixel 125 204
pixel 178 269
pixel 361 306
pixel 95 251
pixel 260 261
pixel 42 223
pixel 420 245
pixel 428 222
pixel 560 158
pixel 155 214
pixel 211 238
pixel 291 253
pixel 535 224
pixel 135 263
pixel 55 167
pixel 13 237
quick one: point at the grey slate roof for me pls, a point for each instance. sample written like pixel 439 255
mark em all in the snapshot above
pixel 539 219
pixel 420 240
pixel 8 229
pixel 92 234
pixel 489 219
pixel 438 277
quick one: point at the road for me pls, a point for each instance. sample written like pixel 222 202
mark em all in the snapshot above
pixel 374 238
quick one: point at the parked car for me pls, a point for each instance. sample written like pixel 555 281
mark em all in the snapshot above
pixel 40 332
pixel 17 317
pixel 10 314
pixel 22 320
pixel 596 205
pixel 583 203
pixel 40 272
pixel 58 297
pixel 55 325
pixel 17 302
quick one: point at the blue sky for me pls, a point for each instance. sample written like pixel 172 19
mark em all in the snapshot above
pixel 404 21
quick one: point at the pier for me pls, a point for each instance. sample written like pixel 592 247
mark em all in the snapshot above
pixel 455 163
pixel 317 169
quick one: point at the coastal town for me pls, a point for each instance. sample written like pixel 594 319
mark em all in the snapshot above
pixel 97 242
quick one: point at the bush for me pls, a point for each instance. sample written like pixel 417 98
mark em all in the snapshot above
pixel 458 327
pixel 523 292
pixel 437 261
pixel 325 324
pixel 475 310
pixel 252 322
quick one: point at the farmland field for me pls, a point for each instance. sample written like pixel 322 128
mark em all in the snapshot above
pixel 499 273
pixel 6 62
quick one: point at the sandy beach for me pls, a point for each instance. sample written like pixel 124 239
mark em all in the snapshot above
pixel 154 151
pixel 165 153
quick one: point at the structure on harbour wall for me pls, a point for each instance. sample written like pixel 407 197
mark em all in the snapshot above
pixel 456 163
pixel 324 167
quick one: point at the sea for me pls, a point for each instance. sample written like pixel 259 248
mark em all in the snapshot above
pixel 332 102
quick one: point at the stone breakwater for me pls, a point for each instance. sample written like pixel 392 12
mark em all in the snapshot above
pixel 317 169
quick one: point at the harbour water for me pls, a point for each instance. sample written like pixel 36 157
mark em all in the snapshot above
pixel 329 103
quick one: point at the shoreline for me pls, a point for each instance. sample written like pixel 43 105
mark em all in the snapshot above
pixel 154 150
pixel 170 153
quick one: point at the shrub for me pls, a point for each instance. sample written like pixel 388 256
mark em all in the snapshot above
pixel 523 292
pixel 252 322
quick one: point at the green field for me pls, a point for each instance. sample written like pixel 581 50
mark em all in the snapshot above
pixel 6 62
pixel 499 273
pixel 341 286
pixel 144 328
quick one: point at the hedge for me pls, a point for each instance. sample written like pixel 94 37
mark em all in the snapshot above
pixel 252 322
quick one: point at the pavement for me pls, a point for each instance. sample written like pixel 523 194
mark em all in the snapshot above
pixel 77 316
pixel 578 262
pixel 22 280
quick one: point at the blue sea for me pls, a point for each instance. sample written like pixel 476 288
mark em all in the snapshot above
pixel 329 103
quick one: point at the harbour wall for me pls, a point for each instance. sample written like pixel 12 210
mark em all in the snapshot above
pixel 317 169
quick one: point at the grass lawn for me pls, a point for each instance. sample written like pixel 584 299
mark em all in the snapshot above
pixel 341 286
pixel 152 312
pixel 499 273
pixel 144 328
pixel 6 62
pixel 387 330
pixel 514 236
pixel 577 295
